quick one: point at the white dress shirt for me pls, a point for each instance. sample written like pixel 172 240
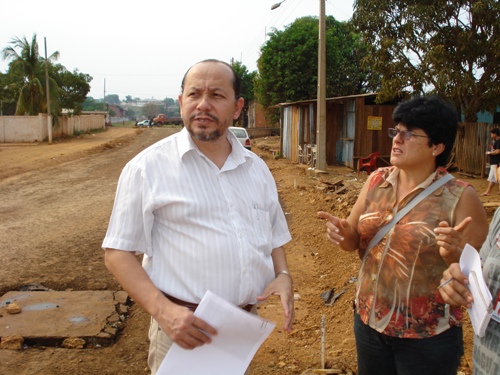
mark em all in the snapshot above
pixel 200 227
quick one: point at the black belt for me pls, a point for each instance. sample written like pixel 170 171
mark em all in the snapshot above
pixel 192 306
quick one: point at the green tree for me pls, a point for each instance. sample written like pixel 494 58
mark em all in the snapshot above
pixel 172 107
pixel 8 95
pixel 29 70
pixel 112 99
pixel 288 65
pixel 247 81
pixel 131 113
pixel 247 88
pixel 169 102
pixel 90 104
pixel 446 47
pixel 152 109
pixel 74 87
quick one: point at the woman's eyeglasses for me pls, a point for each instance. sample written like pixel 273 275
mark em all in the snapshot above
pixel 404 134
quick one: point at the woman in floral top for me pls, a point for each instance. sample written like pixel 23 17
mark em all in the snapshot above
pixel 401 323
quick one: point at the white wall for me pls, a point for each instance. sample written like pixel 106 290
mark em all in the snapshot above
pixel 34 128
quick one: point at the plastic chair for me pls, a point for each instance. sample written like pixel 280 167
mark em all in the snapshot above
pixel 312 157
pixel 301 157
pixel 369 163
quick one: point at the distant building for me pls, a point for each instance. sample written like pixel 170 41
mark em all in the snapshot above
pixel 256 115
pixel 119 111
pixel 143 102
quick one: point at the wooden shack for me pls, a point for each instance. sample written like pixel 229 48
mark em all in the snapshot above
pixel 355 127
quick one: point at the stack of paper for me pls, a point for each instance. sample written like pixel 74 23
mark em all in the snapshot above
pixel 482 309
pixel 240 334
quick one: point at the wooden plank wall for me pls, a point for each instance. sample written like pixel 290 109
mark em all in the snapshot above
pixel 471 144
pixel 334 119
pixel 368 141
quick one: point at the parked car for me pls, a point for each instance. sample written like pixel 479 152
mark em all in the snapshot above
pixel 242 136
pixel 145 123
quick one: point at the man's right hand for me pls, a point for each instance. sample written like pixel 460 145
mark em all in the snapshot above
pixel 177 321
pixel 183 327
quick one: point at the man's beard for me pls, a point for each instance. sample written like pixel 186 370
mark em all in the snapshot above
pixel 205 135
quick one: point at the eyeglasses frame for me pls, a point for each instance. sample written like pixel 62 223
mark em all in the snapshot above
pixel 404 134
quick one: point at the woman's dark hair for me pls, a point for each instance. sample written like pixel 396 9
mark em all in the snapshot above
pixel 236 77
pixel 436 117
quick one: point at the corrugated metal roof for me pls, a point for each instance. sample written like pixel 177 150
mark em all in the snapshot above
pixel 327 99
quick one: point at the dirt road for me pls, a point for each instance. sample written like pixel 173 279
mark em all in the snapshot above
pixel 55 202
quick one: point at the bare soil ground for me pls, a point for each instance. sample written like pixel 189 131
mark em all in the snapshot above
pixel 55 202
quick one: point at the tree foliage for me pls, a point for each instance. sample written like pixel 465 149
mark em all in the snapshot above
pixel 442 46
pixel 74 87
pixel 130 113
pixel 112 99
pixel 169 102
pixel 152 109
pixel 90 104
pixel 8 95
pixel 28 68
pixel 26 76
pixel 247 81
pixel 288 65
pixel 172 107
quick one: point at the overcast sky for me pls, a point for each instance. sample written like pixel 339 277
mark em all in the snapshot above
pixel 143 48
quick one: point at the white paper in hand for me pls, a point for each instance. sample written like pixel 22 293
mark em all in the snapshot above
pixel 481 310
pixel 230 352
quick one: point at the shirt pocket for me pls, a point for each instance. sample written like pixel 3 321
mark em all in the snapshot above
pixel 262 230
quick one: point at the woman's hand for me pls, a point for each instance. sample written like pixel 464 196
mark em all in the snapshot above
pixel 340 232
pixel 455 292
pixel 449 240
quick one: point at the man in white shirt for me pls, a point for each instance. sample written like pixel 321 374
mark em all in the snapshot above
pixel 204 211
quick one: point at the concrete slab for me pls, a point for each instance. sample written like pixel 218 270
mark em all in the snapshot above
pixel 48 318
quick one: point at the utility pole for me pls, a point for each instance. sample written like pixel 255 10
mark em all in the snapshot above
pixel 104 103
pixel 49 115
pixel 104 97
pixel 321 101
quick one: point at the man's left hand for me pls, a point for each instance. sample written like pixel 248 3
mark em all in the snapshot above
pixel 282 286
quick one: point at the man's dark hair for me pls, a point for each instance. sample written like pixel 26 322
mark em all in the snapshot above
pixel 236 78
pixel 495 131
pixel 436 117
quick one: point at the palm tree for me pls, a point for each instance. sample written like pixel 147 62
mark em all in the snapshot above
pixel 28 65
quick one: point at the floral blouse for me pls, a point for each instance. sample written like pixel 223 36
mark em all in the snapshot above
pixel 397 293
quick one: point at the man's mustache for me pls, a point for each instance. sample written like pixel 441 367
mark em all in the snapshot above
pixel 214 118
